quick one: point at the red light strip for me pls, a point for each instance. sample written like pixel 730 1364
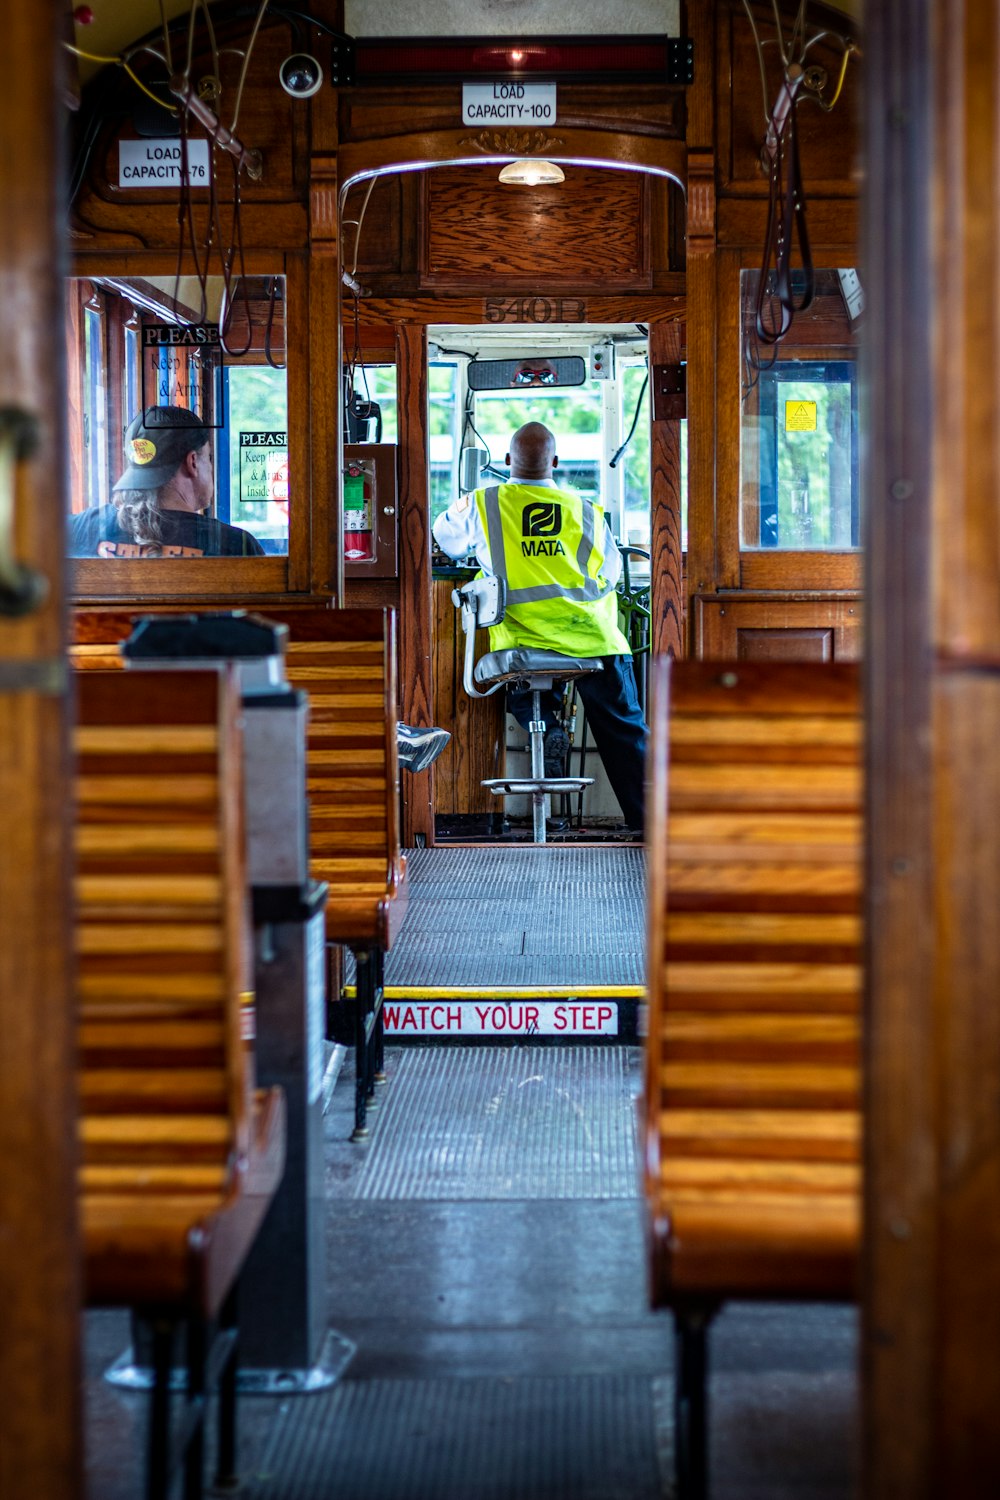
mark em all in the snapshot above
pixel 597 57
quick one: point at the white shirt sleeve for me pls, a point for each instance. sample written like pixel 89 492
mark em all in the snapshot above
pixel 459 531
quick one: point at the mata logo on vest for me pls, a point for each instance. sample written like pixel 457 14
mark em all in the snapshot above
pixel 541 523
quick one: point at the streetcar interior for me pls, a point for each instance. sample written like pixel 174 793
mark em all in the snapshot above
pixel 481 991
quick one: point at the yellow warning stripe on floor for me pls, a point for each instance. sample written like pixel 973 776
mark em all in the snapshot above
pixel 426 992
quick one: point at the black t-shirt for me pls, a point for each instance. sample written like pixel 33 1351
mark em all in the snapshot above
pixel 96 533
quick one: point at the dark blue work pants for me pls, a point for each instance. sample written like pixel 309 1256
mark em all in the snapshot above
pixel 616 720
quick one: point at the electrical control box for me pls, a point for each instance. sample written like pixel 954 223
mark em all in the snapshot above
pixel 602 361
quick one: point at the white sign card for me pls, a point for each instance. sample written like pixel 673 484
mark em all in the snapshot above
pixel 157 163
pixel 500 1018
pixel 508 103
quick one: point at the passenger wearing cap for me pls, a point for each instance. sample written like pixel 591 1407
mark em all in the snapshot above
pixel 159 504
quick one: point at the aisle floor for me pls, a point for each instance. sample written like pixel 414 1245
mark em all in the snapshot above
pixel 565 916
pixel 486 1262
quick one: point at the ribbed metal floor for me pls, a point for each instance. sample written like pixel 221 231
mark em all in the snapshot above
pixel 505 1349
pixel 589 1438
pixel 504 1123
pixel 522 918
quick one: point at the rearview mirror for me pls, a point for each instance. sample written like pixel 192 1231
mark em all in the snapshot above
pixel 526 374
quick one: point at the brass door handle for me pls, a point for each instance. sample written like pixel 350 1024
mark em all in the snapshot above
pixel 22 588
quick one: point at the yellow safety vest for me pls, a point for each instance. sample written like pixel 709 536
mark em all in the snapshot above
pixel 547 546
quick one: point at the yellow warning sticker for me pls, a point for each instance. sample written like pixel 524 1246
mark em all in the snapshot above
pixel 800 416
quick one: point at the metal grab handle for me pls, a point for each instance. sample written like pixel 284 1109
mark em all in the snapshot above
pixel 465 600
pixel 22 589
pixel 468 608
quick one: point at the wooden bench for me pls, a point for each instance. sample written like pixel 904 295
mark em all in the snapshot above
pixel 346 661
pixel 181 1155
pixel 751 1111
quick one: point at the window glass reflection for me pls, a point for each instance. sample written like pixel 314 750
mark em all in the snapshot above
pixel 178 447
pixel 799 450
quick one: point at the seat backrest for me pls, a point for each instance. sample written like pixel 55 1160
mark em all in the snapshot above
pixel 162 932
pixel 755 833
pixel 346 661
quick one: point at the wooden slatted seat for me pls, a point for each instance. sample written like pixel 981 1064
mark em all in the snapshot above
pixel 752 1094
pixel 346 661
pixel 181 1155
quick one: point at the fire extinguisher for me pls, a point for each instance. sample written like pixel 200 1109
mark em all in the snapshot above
pixel 359 536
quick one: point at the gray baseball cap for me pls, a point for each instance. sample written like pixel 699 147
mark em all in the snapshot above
pixel 156 442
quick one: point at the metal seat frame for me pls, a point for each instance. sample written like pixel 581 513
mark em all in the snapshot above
pixel 482 604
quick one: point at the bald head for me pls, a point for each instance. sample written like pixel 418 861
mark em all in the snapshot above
pixel 532 451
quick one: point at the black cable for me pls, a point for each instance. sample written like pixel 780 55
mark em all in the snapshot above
pixel 470 398
pixel 268 353
pixel 635 418
pixel 86 139
pixel 307 20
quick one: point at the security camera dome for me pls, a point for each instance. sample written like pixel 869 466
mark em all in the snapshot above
pixel 300 75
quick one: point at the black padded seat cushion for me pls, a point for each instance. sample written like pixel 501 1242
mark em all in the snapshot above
pixel 519 662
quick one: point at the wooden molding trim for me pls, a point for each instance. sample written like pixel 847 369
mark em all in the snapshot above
pixel 701 203
pixel 323 214
pixel 404 153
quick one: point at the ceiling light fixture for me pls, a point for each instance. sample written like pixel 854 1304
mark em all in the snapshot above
pixel 531 172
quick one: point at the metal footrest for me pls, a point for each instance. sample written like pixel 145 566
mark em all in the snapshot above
pixel 524 786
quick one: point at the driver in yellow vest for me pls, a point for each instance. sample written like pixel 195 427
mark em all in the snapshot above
pixel 560 563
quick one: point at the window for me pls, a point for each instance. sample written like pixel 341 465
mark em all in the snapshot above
pixel 135 345
pixel 573 414
pixel 252 472
pixel 807 458
pixel 799 458
pixel 590 421
pixel 443 434
pixel 373 419
pixel 95 423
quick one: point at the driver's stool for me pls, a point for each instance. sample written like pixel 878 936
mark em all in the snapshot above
pixel 536 670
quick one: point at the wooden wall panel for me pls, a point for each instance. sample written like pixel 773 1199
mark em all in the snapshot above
pixel 932 1303
pixel 416 625
pixel 834 228
pixel 478 725
pixel 40 1401
pixel 535 310
pixel 827 141
pixel 379 247
pixel 372 113
pixel 768 628
pixel 666 555
pixel 590 231
pixel 313 388
pixel 401 219
pixel 273 209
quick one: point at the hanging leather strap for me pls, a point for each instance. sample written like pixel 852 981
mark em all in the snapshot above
pixel 786 215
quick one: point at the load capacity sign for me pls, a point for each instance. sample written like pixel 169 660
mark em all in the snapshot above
pixel 508 104
pixel 157 163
